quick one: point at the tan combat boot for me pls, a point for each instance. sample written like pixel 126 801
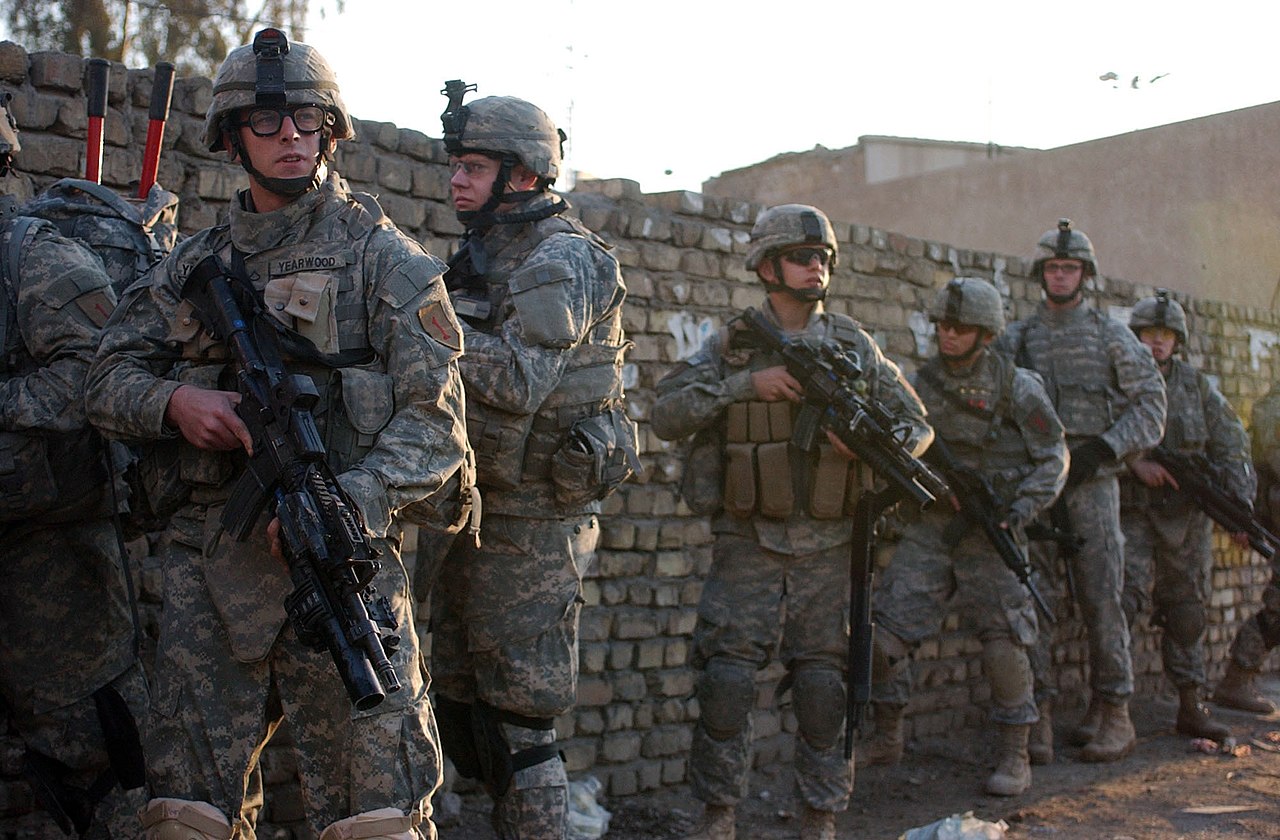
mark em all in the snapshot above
pixel 1013 773
pixel 1193 717
pixel 1040 741
pixel 885 744
pixel 1088 726
pixel 1115 738
pixel 1237 691
pixel 817 825
pixel 718 823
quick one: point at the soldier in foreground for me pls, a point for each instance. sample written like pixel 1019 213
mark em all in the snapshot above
pixel 1109 396
pixel 996 425
pixel 1260 635
pixel 541 298
pixel 358 311
pixel 781 557
pixel 1168 539
pixel 69 674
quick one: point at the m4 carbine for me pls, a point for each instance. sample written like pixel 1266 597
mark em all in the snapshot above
pixel 1196 479
pixel 331 559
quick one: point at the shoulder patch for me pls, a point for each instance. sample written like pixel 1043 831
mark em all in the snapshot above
pixel 97 305
pixel 439 325
pixel 1037 421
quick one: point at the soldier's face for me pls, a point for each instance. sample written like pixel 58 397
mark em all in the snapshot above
pixel 289 153
pixel 958 341
pixel 805 267
pixel 1062 278
pixel 472 181
pixel 1162 341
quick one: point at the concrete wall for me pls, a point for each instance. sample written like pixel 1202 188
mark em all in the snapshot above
pixel 682 255
pixel 1187 205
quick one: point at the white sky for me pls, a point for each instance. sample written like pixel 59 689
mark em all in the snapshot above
pixel 700 86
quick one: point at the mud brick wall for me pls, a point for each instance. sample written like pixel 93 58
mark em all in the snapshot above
pixel 682 255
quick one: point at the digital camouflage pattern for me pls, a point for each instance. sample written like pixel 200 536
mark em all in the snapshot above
pixel 743 616
pixel 1016 442
pixel 505 614
pixel 1168 538
pixel 1260 635
pixel 64 611
pixel 509 125
pixel 1103 383
pixel 344 278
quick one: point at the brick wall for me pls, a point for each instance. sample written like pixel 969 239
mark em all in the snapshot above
pixel 682 255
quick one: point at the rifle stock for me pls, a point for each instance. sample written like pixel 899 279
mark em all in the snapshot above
pixel 331 559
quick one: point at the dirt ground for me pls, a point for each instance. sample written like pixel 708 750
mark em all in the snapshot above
pixel 1164 790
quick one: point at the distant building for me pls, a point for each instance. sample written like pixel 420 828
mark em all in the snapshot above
pixel 1193 206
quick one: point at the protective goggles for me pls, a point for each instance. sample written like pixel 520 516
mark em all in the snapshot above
pixel 802 256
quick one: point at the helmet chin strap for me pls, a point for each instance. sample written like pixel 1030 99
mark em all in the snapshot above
pixel 487 216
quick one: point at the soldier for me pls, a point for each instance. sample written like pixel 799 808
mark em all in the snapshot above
pixel 541 301
pixel 1165 529
pixel 996 420
pixel 780 565
pixel 1260 634
pixel 69 673
pixel 361 310
pixel 1110 398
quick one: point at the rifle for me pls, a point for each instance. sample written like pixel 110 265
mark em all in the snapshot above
pixel 1058 530
pixel 331 559
pixel 979 505
pixel 161 95
pixel 1197 480
pixel 827 373
pixel 96 108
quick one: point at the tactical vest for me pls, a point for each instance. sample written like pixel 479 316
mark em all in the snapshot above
pixel 512 450
pixel 44 476
pixel 971 414
pixel 764 473
pixel 1186 430
pixel 315 288
pixel 1078 374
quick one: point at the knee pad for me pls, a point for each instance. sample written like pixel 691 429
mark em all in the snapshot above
pixel 382 824
pixel 817 697
pixel 1008 670
pixel 726 693
pixel 498 764
pixel 1183 623
pixel 182 819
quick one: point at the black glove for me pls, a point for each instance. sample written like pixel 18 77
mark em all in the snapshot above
pixel 1086 457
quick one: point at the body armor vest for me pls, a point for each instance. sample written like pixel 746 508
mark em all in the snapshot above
pixel 1186 430
pixel 514 451
pixel 1078 373
pixel 764 473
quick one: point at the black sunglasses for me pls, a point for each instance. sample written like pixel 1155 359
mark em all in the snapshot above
pixel 802 256
pixel 308 119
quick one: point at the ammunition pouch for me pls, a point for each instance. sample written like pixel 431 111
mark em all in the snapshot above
pixel 703 481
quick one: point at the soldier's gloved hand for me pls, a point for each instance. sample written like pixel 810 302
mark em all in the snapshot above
pixel 1086 457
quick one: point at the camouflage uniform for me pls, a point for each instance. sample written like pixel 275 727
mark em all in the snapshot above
pixel 779 583
pixel 1103 384
pixel 1260 635
pixel 1011 435
pixel 1166 530
pixel 505 614
pixel 65 618
pixel 229 668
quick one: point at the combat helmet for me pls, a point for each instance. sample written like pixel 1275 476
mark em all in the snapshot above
pixel 969 300
pixel 1064 243
pixel 9 145
pixel 789 225
pixel 1159 311
pixel 273 73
